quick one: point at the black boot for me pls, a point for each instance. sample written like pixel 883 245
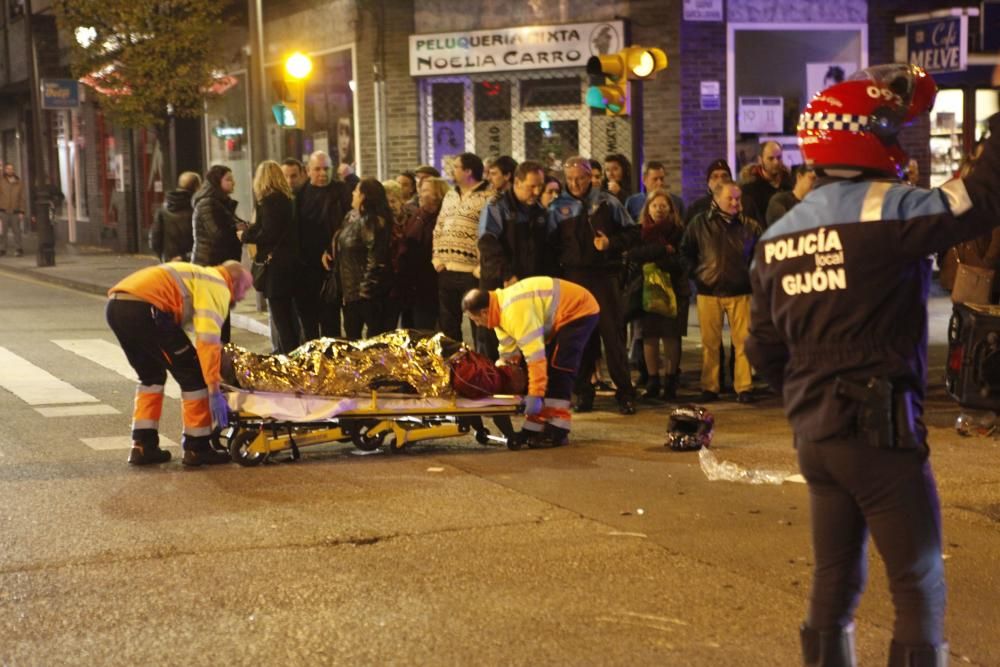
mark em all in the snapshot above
pixel 146 448
pixel 827 648
pixel 901 655
pixel 199 451
pixel 144 454
pixel 670 388
pixel 652 392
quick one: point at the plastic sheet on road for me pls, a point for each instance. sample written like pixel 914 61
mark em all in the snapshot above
pixel 727 471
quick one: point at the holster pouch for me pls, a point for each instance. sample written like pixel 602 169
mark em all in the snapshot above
pixel 885 417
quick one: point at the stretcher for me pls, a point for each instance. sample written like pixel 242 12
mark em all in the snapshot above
pixel 263 424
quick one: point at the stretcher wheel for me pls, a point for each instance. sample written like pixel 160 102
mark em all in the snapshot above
pixel 482 436
pixel 367 443
pixel 239 444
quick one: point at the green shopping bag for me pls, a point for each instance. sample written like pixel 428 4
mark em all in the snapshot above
pixel 657 291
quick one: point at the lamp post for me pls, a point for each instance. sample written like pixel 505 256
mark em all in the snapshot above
pixel 41 187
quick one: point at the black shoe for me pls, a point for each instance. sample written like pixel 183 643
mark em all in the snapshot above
pixel 626 405
pixel 18 253
pixel 670 388
pixel 652 392
pixel 144 455
pixel 901 655
pixel 708 397
pixel 744 397
pixel 207 456
pixel 530 439
pixel 584 404
pixel 556 436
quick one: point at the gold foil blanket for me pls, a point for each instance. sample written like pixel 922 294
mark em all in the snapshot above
pixel 402 360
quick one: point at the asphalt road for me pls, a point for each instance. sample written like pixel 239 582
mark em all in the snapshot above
pixel 612 551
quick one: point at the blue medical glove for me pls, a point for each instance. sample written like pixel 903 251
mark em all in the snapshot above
pixel 532 405
pixel 220 409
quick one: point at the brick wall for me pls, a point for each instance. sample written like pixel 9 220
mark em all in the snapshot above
pixel 657 24
pixel 702 133
pixel 402 130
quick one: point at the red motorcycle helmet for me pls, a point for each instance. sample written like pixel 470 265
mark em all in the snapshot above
pixel 854 124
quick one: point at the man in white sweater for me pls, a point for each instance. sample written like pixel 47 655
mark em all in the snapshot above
pixel 455 248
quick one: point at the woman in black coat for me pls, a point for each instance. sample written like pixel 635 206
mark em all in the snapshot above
pixel 216 225
pixel 277 238
pixel 361 256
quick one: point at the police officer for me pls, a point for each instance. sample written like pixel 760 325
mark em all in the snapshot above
pixel 839 323
pixel 592 231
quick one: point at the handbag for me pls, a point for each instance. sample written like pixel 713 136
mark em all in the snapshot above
pixel 658 294
pixel 259 272
pixel 973 284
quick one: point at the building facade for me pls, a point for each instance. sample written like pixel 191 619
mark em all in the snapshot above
pixel 401 83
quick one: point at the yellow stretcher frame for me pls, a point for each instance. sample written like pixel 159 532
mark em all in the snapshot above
pixel 253 439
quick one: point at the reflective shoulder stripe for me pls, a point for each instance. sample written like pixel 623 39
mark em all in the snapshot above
pixel 211 315
pixel 957 196
pixel 871 207
pixel 187 309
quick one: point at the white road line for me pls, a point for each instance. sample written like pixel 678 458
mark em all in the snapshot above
pixel 120 442
pixel 76 410
pixel 34 385
pixel 107 354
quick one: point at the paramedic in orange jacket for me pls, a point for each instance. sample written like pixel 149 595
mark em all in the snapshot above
pixel 147 312
pixel 549 321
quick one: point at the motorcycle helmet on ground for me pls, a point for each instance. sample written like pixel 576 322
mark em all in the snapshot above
pixel 851 128
pixel 689 428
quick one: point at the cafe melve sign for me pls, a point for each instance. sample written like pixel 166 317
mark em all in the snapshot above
pixel 507 49
pixel 939 45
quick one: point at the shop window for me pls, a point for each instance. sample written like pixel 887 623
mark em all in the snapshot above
pixel 946 135
pixel 551 141
pixel 987 104
pixel 543 93
pixel 492 100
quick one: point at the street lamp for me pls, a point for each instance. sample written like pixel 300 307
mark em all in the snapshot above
pixel 298 66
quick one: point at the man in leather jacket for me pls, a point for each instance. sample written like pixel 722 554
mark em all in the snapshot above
pixel 171 235
pixel 717 246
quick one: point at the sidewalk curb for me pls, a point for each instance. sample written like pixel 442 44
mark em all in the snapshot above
pixel 237 320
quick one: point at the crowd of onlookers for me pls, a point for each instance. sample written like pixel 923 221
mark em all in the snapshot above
pixel 354 257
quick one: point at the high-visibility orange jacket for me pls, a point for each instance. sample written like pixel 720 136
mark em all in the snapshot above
pixel 197 296
pixel 528 314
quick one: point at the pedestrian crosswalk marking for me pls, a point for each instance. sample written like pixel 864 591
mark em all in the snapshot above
pixel 120 442
pixel 36 386
pixel 107 354
pixel 76 410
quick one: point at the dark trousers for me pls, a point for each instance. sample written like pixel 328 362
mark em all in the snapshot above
pixel 606 288
pixel 285 322
pixel 564 353
pixel 854 488
pixel 452 286
pixel 317 317
pixel 422 315
pixel 391 311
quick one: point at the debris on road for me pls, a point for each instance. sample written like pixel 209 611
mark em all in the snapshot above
pixel 728 471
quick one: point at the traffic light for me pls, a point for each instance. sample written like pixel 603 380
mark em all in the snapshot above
pixel 632 62
pixel 291 91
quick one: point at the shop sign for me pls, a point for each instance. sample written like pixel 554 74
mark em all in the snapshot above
pixel 610 134
pixel 223 131
pixel 505 49
pixel 939 45
pixel 60 94
pixel 493 138
pixel 711 99
pixel 702 10
pixel 761 114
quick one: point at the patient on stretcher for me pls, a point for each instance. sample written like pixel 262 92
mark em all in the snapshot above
pixel 422 363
